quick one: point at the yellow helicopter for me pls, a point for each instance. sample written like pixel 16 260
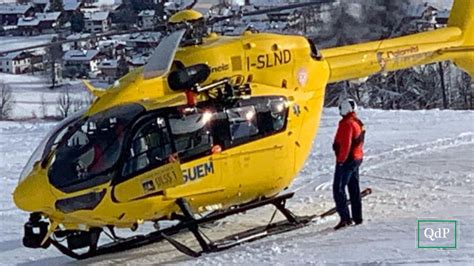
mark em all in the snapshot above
pixel 211 123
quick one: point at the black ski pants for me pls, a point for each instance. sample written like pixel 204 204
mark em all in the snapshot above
pixel 347 174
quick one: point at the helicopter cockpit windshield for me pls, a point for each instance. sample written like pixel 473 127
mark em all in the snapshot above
pixel 87 150
pixel 46 145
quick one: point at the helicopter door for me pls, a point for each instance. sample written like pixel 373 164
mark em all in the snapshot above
pixel 194 141
pixel 150 165
pixel 256 123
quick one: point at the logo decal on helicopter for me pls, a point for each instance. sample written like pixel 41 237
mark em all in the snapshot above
pixel 402 52
pixel 220 68
pixel 269 60
pixel 198 171
pixel 302 76
pixel 401 57
pixel 162 178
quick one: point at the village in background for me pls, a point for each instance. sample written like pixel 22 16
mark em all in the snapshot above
pixel 46 83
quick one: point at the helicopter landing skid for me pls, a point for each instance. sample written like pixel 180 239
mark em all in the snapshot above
pixel 191 224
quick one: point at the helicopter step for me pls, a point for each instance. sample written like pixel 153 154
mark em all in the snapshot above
pixel 188 223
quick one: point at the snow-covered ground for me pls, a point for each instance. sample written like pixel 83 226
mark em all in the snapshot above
pixel 32 97
pixel 16 42
pixel 420 164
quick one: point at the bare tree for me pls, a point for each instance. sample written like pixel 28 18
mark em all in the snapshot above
pixel 88 99
pixel 44 108
pixel 65 103
pixel 471 94
pixel 77 104
pixel 463 83
pixel 6 101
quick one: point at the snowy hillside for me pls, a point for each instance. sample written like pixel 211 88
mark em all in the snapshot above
pixel 419 165
pixel 32 97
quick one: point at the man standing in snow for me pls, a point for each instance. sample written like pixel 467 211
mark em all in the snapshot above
pixel 348 147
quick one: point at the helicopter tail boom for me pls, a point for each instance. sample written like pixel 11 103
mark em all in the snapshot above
pixel 456 42
pixel 462 16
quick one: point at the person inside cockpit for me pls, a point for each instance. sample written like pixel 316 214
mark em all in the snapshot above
pixel 90 147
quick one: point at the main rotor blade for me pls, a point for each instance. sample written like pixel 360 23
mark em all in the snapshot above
pixel 270 10
pixel 162 58
pixel 92 36
pixel 191 5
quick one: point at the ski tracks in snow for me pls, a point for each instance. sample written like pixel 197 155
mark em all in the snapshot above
pixel 378 160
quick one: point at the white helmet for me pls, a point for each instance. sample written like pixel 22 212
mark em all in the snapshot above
pixel 347 106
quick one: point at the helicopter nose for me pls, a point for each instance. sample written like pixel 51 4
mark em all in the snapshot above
pixel 33 194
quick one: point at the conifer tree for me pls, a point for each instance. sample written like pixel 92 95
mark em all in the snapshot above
pixel 56 5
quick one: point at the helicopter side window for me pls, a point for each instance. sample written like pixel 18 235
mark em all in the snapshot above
pixel 191 134
pixel 150 147
pixel 242 123
pixel 220 129
pixel 256 118
pixel 271 115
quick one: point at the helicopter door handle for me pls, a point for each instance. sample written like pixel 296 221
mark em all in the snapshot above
pixel 277 147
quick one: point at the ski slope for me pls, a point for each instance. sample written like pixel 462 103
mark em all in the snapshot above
pixel 420 164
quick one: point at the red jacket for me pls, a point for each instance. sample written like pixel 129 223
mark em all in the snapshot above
pixel 349 140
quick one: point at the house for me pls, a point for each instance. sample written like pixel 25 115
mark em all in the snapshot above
pixel 442 17
pixel 9 30
pixel 80 63
pixel 112 48
pixel 28 26
pixel 37 62
pixel 101 3
pixel 89 3
pixel 419 18
pixel 71 6
pixel 431 17
pixel 137 61
pixel 109 68
pixel 40 23
pixel 120 49
pixel 429 13
pixel 201 6
pixel 146 18
pixel 144 42
pixel 80 41
pixel 15 63
pixel 113 69
pixel 11 12
pixel 97 21
pixel 40 5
